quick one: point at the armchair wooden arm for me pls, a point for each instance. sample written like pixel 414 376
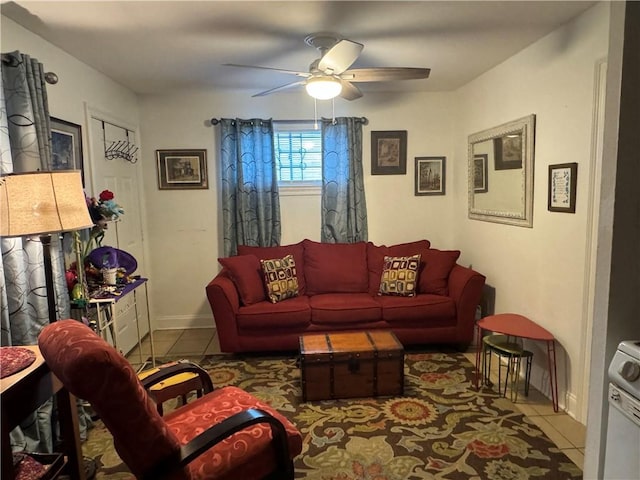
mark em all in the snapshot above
pixel 219 432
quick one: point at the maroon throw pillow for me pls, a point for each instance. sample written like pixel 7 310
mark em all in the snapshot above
pixel 434 277
pixel 335 267
pixel 267 253
pixel 376 254
pixel 246 273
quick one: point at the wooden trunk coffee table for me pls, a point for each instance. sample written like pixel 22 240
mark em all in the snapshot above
pixel 351 364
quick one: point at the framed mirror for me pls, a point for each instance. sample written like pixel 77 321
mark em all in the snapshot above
pixel 501 173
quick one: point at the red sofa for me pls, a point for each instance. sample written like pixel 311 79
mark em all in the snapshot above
pixel 338 288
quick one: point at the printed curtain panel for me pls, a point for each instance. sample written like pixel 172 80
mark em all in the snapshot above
pixel 25 147
pixel 250 199
pixel 344 209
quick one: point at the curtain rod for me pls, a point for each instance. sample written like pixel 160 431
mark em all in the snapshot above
pixel 7 59
pixel 364 120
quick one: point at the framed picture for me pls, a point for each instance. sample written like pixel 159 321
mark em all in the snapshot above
pixel 182 169
pixel 66 146
pixel 563 178
pixel 389 153
pixel 508 151
pixel 480 173
pixel 430 175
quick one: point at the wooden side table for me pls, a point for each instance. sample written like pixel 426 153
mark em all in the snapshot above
pixel 519 326
pixel 21 394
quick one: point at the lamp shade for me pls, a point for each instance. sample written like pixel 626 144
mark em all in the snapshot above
pixel 323 87
pixel 42 202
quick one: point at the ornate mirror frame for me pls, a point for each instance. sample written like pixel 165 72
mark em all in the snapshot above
pixel 518 168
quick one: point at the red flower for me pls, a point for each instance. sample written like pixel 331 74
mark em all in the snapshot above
pixel 484 450
pixel 106 195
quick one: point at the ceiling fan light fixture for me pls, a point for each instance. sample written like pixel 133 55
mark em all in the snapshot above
pixel 323 87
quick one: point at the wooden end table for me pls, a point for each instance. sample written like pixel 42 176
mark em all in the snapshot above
pixel 519 326
pixel 25 391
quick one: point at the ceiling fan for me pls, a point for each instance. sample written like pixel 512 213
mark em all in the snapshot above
pixel 330 76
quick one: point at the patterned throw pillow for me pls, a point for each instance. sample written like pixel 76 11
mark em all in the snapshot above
pixel 280 278
pixel 400 276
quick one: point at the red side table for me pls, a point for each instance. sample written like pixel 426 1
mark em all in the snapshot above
pixel 519 326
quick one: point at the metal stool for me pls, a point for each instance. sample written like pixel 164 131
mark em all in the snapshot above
pixel 502 346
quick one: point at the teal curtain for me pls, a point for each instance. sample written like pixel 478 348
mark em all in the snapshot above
pixel 344 208
pixel 250 199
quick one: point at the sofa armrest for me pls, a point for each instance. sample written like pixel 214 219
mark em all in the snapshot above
pixel 224 301
pixel 465 287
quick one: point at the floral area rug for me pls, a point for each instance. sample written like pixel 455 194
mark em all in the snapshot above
pixel 442 428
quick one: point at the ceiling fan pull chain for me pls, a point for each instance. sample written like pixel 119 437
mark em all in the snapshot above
pixel 333 111
pixel 315 114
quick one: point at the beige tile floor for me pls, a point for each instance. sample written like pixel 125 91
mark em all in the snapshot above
pixel 567 433
pixel 564 431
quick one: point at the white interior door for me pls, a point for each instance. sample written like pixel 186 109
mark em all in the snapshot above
pixel 123 178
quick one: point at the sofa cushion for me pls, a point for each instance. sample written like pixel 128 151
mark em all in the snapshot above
pixel 335 267
pixel 265 253
pixel 434 278
pixel 280 278
pixel 295 313
pixel 344 309
pixel 376 254
pixel 420 309
pixel 400 276
pixel 246 273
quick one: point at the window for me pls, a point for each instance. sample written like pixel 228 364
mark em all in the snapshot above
pixel 298 150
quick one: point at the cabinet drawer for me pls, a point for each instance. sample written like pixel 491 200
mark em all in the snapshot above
pixel 124 305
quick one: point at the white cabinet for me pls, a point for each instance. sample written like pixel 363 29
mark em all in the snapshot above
pixel 123 320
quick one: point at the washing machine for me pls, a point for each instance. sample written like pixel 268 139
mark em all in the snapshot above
pixel 622 450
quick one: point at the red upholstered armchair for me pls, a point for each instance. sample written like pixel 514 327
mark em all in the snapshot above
pixel 226 434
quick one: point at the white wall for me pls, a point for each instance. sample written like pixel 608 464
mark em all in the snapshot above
pixel 540 272
pixel 184 230
pixel 78 83
pixel 81 89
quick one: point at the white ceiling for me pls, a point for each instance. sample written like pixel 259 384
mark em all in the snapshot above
pixel 158 46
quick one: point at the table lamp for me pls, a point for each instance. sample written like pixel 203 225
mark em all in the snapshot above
pixel 43 203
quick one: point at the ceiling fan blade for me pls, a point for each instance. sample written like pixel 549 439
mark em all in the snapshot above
pixel 349 91
pixel 340 57
pixel 384 74
pixel 280 88
pixel 292 72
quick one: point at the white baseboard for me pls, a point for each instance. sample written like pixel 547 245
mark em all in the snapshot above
pixel 571 402
pixel 182 322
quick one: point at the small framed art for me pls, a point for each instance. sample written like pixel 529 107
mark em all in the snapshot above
pixel 389 153
pixel 66 146
pixel 430 175
pixel 563 179
pixel 508 151
pixel 182 169
pixel 480 173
